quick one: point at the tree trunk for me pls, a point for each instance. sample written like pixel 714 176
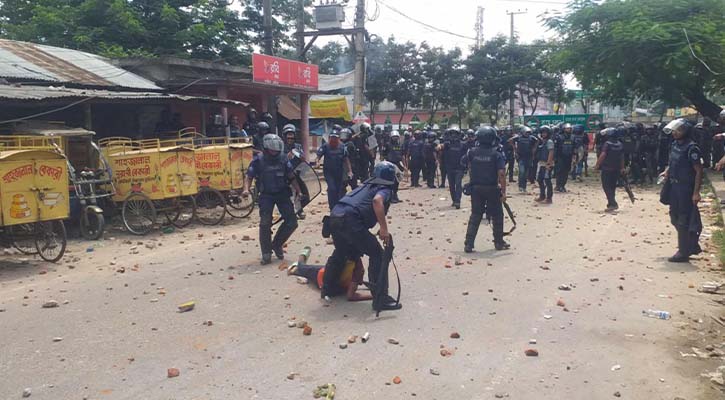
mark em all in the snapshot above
pixel 703 105
pixel 535 105
pixel 402 114
pixel 372 114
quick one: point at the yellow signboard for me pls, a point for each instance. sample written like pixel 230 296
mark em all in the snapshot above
pixel 330 108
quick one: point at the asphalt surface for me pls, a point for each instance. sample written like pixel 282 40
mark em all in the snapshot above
pixel 117 330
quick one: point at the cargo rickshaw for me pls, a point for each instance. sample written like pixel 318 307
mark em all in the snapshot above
pixel 152 177
pixel 90 185
pixel 33 196
pixel 221 163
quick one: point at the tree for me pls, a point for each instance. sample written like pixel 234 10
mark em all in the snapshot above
pixel 626 48
pixel 333 58
pixel 440 71
pixel 406 82
pixel 489 68
pixel 284 22
pixel 377 74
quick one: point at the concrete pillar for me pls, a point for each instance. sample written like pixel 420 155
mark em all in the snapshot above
pixel 222 93
pixel 305 124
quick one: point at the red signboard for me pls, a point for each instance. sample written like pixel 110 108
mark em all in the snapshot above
pixel 282 72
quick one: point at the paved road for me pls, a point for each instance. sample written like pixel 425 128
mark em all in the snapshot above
pixel 120 330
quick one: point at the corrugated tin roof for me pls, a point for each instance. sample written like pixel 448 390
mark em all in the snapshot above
pixel 29 61
pixel 40 93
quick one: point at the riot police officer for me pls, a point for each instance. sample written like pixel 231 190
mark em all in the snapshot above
pixel 564 156
pixel 523 144
pixel 442 165
pixel 508 150
pixel 415 161
pixel 545 165
pixel 250 125
pixel 366 161
pixel 335 166
pixel 394 155
pixel 350 224
pixel 488 187
pixel 453 150
pixel 289 132
pixel 257 139
pixel 648 148
pixel 611 163
pixel 353 155
pixel 429 159
pixel 684 175
pixel 581 141
pixel 663 149
pixel 629 145
pixel 273 174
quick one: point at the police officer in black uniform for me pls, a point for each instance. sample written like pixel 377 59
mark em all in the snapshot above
pixel 394 155
pixel 350 224
pixel 508 151
pixel 648 148
pixel 442 165
pixel 429 159
pixel 564 156
pixel 488 187
pixel 258 138
pixel 684 174
pixel 274 174
pixel 336 166
pixel 664 142
pixel 366 159
pixel 545 165
pixel 611 163
pixel 524 145
pixel 353 155
pixel 250 125
pixel 453 151
pixel 415 158
pixel 629 145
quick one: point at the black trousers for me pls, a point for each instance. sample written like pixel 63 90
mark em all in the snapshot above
pixel 485 199
pixel 416 165
pixel 681 209
pixel 455 186
pixel 429 172
pixel 543 177
pixel 510 162
pixel 563 167
pixel 289 223
pixel 351 244
pixel 609 184
pixel 444 173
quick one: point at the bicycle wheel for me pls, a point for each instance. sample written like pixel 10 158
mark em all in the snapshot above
pixel 92 224
pixel 138 214
pixel 50 240
pixel 23 238
pixel 210 209
pixel 239 206
pixel 180 211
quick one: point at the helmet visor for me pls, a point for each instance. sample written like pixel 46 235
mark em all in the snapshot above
pixel 677 125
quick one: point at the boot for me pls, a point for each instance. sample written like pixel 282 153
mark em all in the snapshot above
pixel 539 199
pixel 679 258
pixel 468 248
pixel 279 252
pixel 501 245
pixel 266 259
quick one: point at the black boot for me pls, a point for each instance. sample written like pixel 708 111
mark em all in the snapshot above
pixel 501 245
pixel 679 258
pixel 387 304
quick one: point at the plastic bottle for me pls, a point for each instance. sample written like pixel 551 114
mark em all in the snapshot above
pixel 656 314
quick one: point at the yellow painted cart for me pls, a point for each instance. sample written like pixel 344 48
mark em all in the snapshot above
pixel 220 167
pixel 34 198
pixel 150 177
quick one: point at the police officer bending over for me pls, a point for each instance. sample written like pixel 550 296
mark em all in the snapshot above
pixel 350 224
pixel 684 174
pixel 273 173
pixel 488 187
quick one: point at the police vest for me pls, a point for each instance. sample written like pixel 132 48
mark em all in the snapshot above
pixel 453 154
pixel 360 204
pixel 395 153
pixel 567 146
pixel 542 152
pixel 483 166
pixel 429 151
pixel 524 147
pixel 273 177
pixel 334 159
pixel 628 143
pixel 680 167
pixel 508 147
pixel 352 151
pixel 416 149
pixel 615 153
pixel 578 141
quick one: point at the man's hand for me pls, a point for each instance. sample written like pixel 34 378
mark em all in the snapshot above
pixel 384 235
pixel 720 165
pixel 696 198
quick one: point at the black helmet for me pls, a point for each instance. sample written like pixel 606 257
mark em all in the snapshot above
pixel 578 128
pixel 251 112
pixel 263 127
pixel 345 134
pixel 470 133
pixel 487 136
pixel 267 117
pixel 384 173
pixel 431 136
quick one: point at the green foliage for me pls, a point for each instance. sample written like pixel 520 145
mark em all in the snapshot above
pixel 625 48
pixel 333 58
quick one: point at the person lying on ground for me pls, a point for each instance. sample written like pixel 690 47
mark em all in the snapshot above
pixel 350 280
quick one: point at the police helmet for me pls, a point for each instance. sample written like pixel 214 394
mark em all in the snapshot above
pixel 431 136
pixel 566 126
pixel 487 136
pixel 267 117
pixel 470 133
pixel 525 130
pixel 384 173
pixel 721 117
pixel 395 134
pixel 365 127
pixel 336 127
pixel 263 127
pixel 407 133
pixel 545 129
pixel 289 128
pixel 578 128
pixel 345 134
pixel 680 125
pixel 272 142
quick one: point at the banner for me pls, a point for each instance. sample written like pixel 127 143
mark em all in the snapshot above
pixel 282 72
pixel 330 108
pixel 590 121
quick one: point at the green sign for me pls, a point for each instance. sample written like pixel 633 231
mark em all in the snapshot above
pixel 388 121
pixel 590 121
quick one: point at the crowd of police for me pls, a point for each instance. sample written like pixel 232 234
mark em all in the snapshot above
pixel 372 163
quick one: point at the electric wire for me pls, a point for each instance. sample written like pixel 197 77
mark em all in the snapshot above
pixel 429 26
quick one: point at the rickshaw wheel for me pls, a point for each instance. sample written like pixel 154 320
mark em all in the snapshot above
pixel 138 214
pixel 239 206
pixel 92 224
pixel 50 240
pixel 210 209
pixel 23 238
pixel 181 211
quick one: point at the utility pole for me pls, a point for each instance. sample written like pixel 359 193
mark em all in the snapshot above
pixel 359 42
pixel 300 29
pixel 479 27
pixel 512 42
pixel 268 49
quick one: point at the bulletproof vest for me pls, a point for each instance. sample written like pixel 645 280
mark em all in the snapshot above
pixel 508 147
pixel 680 166
pixel 361 146
pixel 615 153
pixel 453 154
pixel 395 152
pixel 360 204
pixel 483 166
pixel 542 153
pixel 429 151
pixel 567 146
pixel 649 143
pixel 578 141
pixel 524 147
pixel 352 151
pixel 272 178
pixel 416 149
pixel 334 158
pixel 628 143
